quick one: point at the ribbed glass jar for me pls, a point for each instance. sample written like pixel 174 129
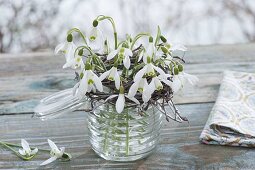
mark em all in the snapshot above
pixel 125 136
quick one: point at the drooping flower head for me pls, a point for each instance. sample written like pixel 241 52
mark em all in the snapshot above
pixel 67 49
pixel 123 53
pixel 95 38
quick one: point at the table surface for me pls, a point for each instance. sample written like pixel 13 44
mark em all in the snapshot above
pixel 26 78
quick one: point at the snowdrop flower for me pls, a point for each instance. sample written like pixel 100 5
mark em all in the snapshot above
pixel 123 54
pixel 95 38
pixel 67 48
pixel 156 84
pixel 75 62
pixel 120 103
pixel 181 79
pixel 142 87
pixel 26 151
pixel 55 153
pixel 148 69
pixel 148 52
pixel 112 75
pixel 90 81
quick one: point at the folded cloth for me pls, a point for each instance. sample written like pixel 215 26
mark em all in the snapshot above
pixel 232 119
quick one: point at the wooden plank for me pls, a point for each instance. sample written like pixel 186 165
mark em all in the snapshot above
pixel 45 62
pixel 179 147
pixel 21 94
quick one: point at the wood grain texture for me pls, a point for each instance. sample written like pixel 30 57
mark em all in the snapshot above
pixel 26 78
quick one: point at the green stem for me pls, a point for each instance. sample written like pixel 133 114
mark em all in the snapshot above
pixel 84 47
pixel 5 144
pixel 16 145
pixel 101 18
pixel 137 37
pixel 78 31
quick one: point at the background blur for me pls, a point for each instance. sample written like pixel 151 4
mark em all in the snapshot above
pixel 32 25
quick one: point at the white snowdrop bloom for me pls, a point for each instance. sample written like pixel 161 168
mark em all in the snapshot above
pixel 68 49
pixel 149 69
pixel 181 79
pixel 75 63
pixel 26 150
pixel 112 75
pixel 142 87
pixel 123 53
pixel 155 84
pixel 55 153
pixel 95 39
pixel 120 103
pixel 89 82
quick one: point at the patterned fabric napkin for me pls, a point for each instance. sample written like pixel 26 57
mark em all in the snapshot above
pixel 232 119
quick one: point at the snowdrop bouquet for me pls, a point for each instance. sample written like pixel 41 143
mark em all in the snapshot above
pixel 126 73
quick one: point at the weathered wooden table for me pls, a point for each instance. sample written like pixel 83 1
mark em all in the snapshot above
pixel 26 78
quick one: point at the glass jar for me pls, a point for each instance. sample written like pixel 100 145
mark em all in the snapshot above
pixel 125 136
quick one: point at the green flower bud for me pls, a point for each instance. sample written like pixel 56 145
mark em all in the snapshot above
pixel 88 66
pixel 150 39
pixel 69 38
pixel 81 75
pixel 180 68
pixel 125 45
pixel 168 46
pixel 105 42
pixel 163 39
pixel 80 53
pixel 148 60
pixel 95 23
pixel 176 71
pixel 164 49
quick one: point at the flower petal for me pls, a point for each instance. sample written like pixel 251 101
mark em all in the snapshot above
pixel 51 159
pixel 34 151
pixel 159 70
pixel 126 62
pixel 117 80
pixel 83 88
pixel 97 82
pixel 104 75
pixel 120 103
pixel 25 145
pixel 111 97
pixel 112 54
pixel 140 73
pixel 22 152
pixel 59 47
pixel 176 84
pixel 133 89
pixel 133 99
pixel 128 52
pixel 53 146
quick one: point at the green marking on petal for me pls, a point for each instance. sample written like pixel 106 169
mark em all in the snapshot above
pixel 140 89
pixel 111 78
pixel 92 38
pixel 90 81
pixel 159 87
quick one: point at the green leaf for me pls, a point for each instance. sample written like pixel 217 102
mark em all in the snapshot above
pixel 158 36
